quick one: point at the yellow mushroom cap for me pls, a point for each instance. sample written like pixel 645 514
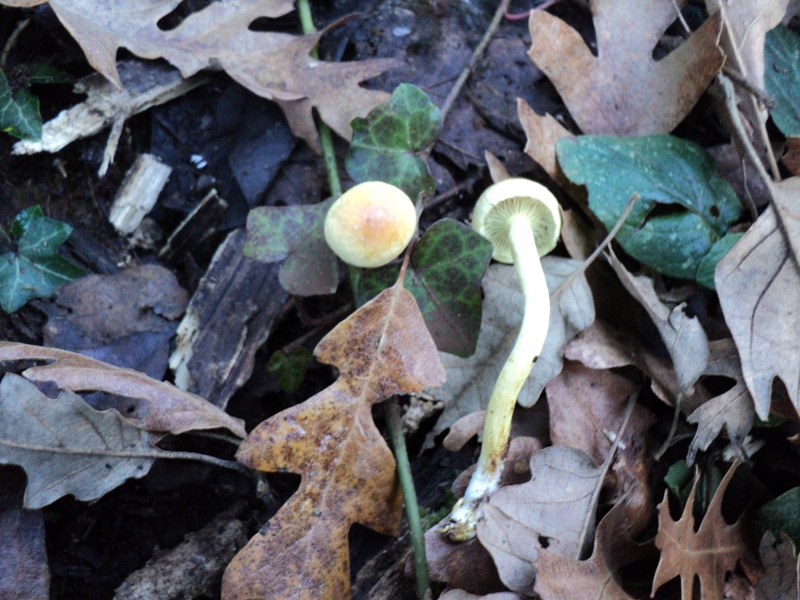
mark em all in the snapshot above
pixel 370 224
pixel 511 197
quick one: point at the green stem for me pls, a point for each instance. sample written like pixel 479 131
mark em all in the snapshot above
pixel 325 137
pixel 12 39
pixel 392 412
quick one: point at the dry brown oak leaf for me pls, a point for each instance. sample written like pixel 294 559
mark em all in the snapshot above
pixel 708 553
pixel 622 90
pixel 348 472
pixel 169 409
pixel 276 66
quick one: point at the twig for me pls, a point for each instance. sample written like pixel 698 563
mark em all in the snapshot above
pixel 476 55
pixel 392 412
pixel 508 16
pixel 12 39
pixel 325 137
pixel 593 256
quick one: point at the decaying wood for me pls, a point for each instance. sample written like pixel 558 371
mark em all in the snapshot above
pixel 228 319
pixel 192 568
pixel 138 193
pixel 197 227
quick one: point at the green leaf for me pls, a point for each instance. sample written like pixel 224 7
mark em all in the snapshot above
pixel 783 514
pixel 294 233
pixel 36 270
pixel 19 112
pixel 24 219
pixel 782 77
pixel 679 480
pixel 291 367
pixel 389 144
pixel 685 207
pixel 705 272
pixel 46 74
pixel 444 276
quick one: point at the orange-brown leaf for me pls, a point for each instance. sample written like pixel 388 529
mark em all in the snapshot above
pixel 170 409
pixel 348 471
pixel 709 553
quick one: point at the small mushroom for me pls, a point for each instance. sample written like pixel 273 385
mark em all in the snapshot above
pixel 522 220
pixel 370 224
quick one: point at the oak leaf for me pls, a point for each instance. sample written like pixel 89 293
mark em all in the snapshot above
pixel 708 553
pixel 348 472
pixel 756 281
pixel 168 410
pixel 276 66
pixel 623 90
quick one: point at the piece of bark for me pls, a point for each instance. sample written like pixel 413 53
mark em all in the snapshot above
pixel 228 319
pixel 191 569
pixel 138 193
pixel 197 227
pixel 24 574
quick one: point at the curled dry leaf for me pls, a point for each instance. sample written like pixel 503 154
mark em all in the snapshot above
pixel 276 66
pixel 556 506
pixel 754 282
pixel 470 381
pixel 170 410
pixel 709 553
pixel 348 472
pixel 623 90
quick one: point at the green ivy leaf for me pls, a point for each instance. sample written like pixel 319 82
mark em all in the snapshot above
pixel 36 269
pixel 291 367
pixel 783 514
pixel 23 220
pixel 19 112
pixel 685 207
pixel 782 77
pixel 444 276
pixel 705 272
pixel 294 233
pixel 388 145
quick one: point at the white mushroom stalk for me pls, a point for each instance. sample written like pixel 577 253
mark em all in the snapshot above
pixel 521 219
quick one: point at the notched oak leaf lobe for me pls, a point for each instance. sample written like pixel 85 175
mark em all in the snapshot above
pixel 622 90
pixel 348 472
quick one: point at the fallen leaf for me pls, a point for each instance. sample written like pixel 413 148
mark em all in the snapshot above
pixel 555 508
pixel 542 133
pixel 276 66
pixel 783 514
pixel 126 319
pixel 560 577
pixel 169 409
pixel 66 446
pixel 684 337
pixel 462 595
pixel 623 90
pixel 348 472
pixel 754 281
pixel 733 410
pixel 587 408
pixel 780 579
pixel 294 234
pixel 781 79
pixel 791 155
pixel 444 276
pixel 470 381
pixel 24 573
pixel 707 553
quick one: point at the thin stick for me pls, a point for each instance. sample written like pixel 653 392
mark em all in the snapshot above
pixel 392 412
pixel 587 263
pixel 476 55
pixel 325 137
pixel 12 39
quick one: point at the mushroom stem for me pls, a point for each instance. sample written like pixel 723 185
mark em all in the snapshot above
pixel 530 340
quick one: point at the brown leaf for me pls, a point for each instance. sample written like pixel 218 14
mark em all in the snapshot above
pixel 556 505
pixel 623 90
pixel 542 133
pixel 348 472
pixel 587 407
pixel 276 66
pixel 709 553
pixel 791 155
pixel 169 410
pixel 755 282
pixel 781 577
pixel 562 577
pixel 24 574
pixel 462 595
pixel 684 337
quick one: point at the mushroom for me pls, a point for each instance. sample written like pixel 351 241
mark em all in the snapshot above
pixel 370 224
pixel 522 220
